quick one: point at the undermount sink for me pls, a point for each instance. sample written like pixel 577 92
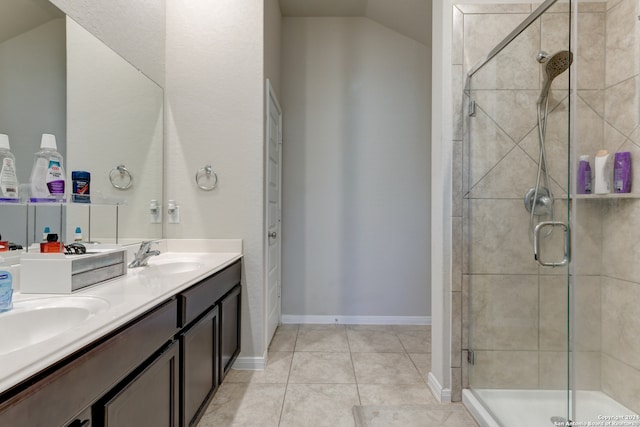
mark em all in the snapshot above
pixel 171 266
pixel 36 320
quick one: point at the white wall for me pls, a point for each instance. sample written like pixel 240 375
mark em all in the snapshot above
pixel 272 43
pixel 134 29
pixel 115 117
pixel 32 102
pixel 214 114
pixel 355 169
pixel 33 91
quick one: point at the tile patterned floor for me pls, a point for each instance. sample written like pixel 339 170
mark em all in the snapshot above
pixel 316 374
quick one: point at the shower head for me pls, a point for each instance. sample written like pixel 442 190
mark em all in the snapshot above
pixel 553 66
pixel 558 63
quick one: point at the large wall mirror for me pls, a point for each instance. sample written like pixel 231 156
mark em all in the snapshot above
pixel 56 77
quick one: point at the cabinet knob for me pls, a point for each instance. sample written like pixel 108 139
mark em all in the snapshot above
pixel 273 234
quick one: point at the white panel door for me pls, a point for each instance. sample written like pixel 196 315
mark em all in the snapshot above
pixel 273 214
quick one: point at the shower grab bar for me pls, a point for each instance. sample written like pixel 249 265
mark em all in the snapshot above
pixel 512 35
pixel 536 243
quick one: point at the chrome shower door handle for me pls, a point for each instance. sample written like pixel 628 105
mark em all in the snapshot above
pixel 567 243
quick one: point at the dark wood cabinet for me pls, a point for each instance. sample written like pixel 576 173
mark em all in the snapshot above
pixel 147 398
pixel 230 315
pixel 208 310
pixel 199 348
pixel 161 369
pixel 58 395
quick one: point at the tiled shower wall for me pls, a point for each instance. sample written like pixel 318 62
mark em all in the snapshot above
pixel 620 288
pixel 518 310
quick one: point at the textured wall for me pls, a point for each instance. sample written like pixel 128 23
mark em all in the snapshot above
pixel 214 114
pixel 355 178
pixel 134 29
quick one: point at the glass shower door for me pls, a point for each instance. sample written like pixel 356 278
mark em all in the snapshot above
pixel 516 189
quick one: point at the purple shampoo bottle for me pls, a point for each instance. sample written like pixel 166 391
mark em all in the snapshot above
pixel 584 176
pixel 622 172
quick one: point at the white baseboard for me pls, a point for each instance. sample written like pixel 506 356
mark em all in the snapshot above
pixel 250 363
pixel 442 395
pixel 355 320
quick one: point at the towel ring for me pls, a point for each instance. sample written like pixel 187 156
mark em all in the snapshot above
pixel 206 173
pixel 124 175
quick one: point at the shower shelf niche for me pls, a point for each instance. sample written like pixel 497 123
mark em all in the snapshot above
pixel 608 196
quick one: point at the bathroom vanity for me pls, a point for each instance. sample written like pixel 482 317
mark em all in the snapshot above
pixel 159 367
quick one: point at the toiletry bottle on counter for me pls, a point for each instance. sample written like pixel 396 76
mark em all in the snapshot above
pixel 622 172
pixel 80 181
pixel 584 176
pixel 602 172
pixel 47 175
pixel 6 290
pixel 45 233
pixel 51 246
pixel 77 236
pixel 8 178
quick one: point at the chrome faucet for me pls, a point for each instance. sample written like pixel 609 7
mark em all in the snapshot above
pixel 142 256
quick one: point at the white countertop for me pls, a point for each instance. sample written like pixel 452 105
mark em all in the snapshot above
pixel 127 298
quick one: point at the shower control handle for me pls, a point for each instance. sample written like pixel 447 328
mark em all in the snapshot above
pixel 567 243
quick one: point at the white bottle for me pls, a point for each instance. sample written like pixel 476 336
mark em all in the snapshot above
pixel 77 236
pixel 47 175
pixel 602 172
pixel 8 178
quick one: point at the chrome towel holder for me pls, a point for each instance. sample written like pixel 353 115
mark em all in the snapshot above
pixel 124 175
pixel 206 178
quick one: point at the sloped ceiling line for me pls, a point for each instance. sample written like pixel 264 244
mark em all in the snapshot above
pixel 411 18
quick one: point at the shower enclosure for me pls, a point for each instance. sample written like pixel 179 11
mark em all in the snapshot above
pixel 551 278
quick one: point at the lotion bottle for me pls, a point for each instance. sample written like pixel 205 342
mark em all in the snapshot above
pixel 603 172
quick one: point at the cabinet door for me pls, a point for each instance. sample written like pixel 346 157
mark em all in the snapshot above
pixel 229 330
pixel 200 360
pixel 150 398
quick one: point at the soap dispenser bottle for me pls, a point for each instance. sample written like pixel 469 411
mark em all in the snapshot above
pixel 47 175
pixel 8 178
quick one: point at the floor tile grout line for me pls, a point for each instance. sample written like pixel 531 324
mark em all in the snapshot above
pixel 353 366
pixel 286 386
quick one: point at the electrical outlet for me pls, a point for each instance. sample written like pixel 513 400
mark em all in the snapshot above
pixel 174 212
pixel 155 212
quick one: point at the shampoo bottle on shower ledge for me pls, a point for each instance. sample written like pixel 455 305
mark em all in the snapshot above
pixel 583 182
pixel 622 172
pixel 603 172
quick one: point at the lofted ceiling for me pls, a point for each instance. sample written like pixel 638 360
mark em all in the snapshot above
pixel 19 16
pixel 411 18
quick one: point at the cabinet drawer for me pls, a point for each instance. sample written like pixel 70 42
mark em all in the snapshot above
pixel 76 384
pixel 148 399
pixel 198 298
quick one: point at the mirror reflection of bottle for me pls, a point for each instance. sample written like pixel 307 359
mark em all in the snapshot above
pixel 8 178
pixel 47 175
